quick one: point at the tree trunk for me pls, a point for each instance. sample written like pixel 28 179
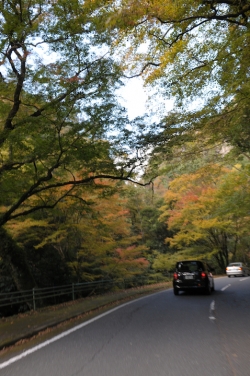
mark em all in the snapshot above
pixel 15 262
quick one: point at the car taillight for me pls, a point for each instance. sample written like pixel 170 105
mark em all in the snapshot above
pixel 203 275
pixel 175 275
pixel 240 268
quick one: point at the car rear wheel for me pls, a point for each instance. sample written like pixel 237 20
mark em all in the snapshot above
pixel 208 289
pixel 176 291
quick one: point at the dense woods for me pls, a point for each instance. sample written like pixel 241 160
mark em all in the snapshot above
pixel 87 193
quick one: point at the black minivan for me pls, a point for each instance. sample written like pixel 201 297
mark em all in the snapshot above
pixel 193 275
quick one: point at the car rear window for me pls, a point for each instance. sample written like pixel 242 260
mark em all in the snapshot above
pixel 189 266
pixel 235 264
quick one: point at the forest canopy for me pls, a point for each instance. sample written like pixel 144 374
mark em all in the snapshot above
pixel 61 124
pixel 197 54
pixel 84 187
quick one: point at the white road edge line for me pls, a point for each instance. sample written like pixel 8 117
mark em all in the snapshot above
pixel 224 288
pixel 67 332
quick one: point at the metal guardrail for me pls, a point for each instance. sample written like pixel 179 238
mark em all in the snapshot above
pixel 43 297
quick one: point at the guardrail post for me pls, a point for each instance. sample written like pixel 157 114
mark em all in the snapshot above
pixel 34 299
pixel 73 292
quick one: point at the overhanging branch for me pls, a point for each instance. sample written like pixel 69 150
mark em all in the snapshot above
pixel 12 213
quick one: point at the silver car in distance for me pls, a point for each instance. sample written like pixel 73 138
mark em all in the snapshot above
pixel 235 269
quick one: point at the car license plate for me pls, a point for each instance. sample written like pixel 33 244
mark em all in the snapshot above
pixel 189 276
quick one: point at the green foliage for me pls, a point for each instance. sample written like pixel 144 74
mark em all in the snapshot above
pixel 62 134
pixel 80 243
pixel 197 55
pixel 64 138
pixel 209 213
pixel 58 105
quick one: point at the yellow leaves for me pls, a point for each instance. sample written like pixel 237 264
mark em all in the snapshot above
pixel 126 15
pixel 212 223
pixel 153 9
pixel 171 195
pixel 166 59
pixel 198 205
pixel 162 262
pixel 182 239
pixel 17 228
pixel 53 239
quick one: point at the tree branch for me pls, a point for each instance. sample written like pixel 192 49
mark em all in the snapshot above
pixel 10 214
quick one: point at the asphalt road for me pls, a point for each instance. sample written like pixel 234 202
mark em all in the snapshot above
pixel 158 335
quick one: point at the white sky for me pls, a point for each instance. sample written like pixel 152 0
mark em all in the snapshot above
pixel 134 97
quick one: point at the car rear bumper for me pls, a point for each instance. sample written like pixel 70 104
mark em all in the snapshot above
pixel 238 273
pixel 183 287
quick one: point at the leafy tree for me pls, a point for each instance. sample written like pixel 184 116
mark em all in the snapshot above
pixel 57 105
pixel 196 53
pixel 109 248
pixel 143 207
pixel 197 206
pixel 48 244
pixel 233 194
pixel 82 240
pixel 61 127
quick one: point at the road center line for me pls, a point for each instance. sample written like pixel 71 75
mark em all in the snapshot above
pixel 224 288
pixel 212 310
